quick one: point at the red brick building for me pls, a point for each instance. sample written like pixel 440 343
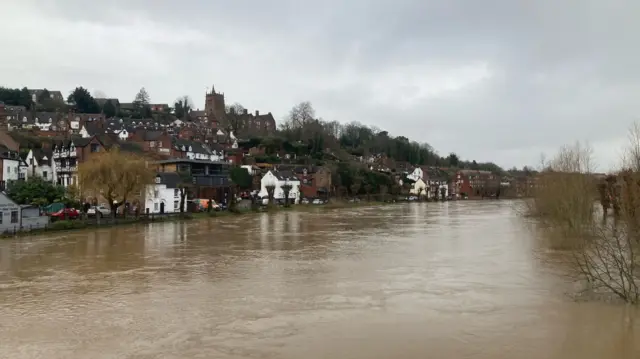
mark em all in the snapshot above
pixel 478 184
pixel 153 141
pixel 314 181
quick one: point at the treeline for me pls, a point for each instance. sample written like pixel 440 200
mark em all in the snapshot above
pixel 16 97
pixel 80 100
pixel 306 135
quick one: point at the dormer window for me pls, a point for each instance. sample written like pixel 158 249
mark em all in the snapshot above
pixel 190 149
pixel 158 180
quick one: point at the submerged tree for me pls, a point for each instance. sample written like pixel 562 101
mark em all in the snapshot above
pixel 270 192
pixel 184 186
pixel 286 189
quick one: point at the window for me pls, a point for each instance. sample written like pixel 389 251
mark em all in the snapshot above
pixel 155 207
pixel 156 194
pixel 152 144
pixel 14 216
pixel 158 179
pixel 176 206
pixel 159 144
pixel 176 193
pixel 44 174
pixel 1 215
pixel 8 169
pixel 95 147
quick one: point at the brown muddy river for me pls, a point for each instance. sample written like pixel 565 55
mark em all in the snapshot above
pixel 429 280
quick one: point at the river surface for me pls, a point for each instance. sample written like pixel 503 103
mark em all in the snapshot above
pixel 422 280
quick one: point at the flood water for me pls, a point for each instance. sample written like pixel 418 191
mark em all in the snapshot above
pixel 423 280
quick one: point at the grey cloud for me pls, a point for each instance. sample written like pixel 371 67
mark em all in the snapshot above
pixel 558 70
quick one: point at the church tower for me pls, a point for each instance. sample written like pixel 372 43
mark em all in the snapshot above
pixel 214 106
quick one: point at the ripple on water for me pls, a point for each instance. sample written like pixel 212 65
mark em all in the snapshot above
pixel 423 280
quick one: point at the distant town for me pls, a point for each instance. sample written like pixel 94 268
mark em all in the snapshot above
pixel 46 135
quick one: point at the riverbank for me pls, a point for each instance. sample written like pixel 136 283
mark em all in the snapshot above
pixel 72 225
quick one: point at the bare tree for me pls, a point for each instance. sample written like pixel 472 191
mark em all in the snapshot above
pixel 301 114
pixel 270 192
pixel 142 98
pixel 605 253
pixel 286 189
pixel 235 108
pixel 631 154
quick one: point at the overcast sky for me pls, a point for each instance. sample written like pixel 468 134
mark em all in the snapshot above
pixel 492 80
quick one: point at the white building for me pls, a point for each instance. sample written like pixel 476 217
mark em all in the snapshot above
pixel 416 174
pixel 164 195
pixel 65 164
pixel 278 179
pixel 438 189
pixel 194 150
pixel 38 163
pixel 252 171
pixel 123 135
pixel 10 165
pixel 419 188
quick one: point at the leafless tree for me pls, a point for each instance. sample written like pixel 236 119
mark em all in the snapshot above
pixel 236 108
pixel 603 253
pixel 301 114
pixel 286 189
pixel 631 154
pixel 270 192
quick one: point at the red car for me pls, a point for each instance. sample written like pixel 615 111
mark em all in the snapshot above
pixel 70 213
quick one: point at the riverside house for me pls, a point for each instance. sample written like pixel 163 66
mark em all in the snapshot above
pixel 14 217
pixel 164 195
pixel 279 179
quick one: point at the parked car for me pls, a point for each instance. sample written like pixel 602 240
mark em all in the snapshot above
pixel 100 211
pixel 68 213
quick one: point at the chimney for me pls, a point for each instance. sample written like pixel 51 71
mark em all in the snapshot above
pixel 245 111
pixel 257 113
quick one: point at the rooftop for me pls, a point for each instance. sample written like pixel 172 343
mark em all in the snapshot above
pixel 186 160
